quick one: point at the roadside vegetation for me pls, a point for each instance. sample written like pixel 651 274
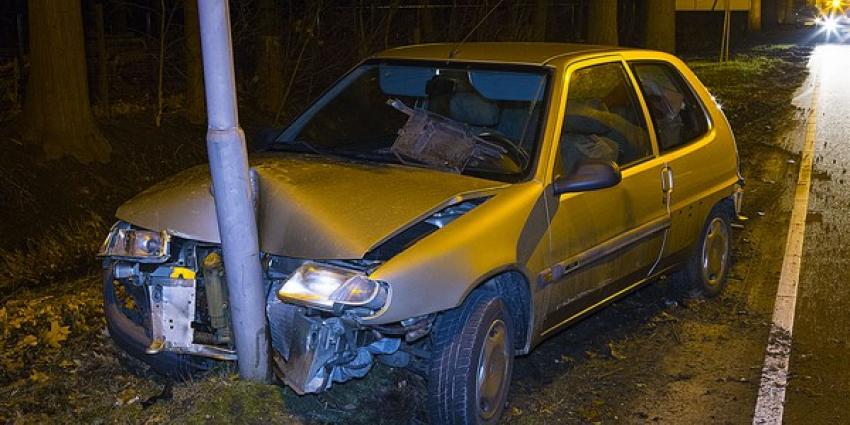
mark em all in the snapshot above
pixel 58 364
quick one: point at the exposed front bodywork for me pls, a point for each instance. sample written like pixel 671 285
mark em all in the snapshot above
pixel 309 207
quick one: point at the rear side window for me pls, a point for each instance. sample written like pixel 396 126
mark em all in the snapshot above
pixel 676 113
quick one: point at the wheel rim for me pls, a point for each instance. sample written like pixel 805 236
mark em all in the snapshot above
pixel 492 370
pixel 715 252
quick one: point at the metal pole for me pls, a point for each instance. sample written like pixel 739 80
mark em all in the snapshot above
pixel 233 194
pixel 728 19
pixel 727 25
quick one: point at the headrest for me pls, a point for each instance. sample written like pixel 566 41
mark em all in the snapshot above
pixel 584 119
pixel 474 110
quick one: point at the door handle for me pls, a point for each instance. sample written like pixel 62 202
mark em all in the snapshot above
pixel 667 179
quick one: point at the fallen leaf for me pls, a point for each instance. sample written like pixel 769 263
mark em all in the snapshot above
pixel 38 377
pixel 30 340
pixel 56 334
pixel 11 365
pixel 615 353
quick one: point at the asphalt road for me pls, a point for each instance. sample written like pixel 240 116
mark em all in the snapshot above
pixel 819 387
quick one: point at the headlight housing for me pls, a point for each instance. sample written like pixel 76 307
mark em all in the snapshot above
pixel 328 287
pixel 144 246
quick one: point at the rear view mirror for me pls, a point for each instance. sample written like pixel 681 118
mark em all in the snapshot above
pixel 591 174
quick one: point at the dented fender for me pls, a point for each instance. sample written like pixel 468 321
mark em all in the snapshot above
pixel 439 271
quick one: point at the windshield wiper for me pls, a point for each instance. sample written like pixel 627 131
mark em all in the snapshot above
pixel 296 145
pixel 372 156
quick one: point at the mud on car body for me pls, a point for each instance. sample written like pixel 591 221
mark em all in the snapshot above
pixel 445 210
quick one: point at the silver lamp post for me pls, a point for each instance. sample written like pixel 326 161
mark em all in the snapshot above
pixel 237 223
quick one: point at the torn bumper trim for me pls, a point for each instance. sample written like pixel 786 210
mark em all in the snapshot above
pixel 312 352
pixel 133 339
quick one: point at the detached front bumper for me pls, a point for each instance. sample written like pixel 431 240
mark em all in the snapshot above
pixel 133 337
pixel 312 351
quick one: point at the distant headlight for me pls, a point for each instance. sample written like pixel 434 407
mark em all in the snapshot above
pixel 144 246
pixel 830 24
pixel 322 286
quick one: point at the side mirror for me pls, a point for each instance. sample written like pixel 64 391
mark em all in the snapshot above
pixel 591 174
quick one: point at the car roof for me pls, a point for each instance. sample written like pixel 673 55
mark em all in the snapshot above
pixel 526 53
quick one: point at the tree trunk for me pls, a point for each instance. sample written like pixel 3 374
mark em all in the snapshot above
pixel 770 14
pixel 195 106
pixel 789 12
pixel 270 69
pixel 780 11
pixel 541 15
pixel 102 62
pixel 754 16
pixel 602 22
pixel 57 113
pixel 118 17
pixel 661 25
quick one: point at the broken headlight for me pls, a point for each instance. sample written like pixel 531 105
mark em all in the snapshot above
pixel 144 246
pixel 324 286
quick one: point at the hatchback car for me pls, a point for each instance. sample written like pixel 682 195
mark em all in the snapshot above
pixel 445 208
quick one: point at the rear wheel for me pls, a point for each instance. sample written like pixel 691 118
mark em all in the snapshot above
pixel 708 268
pixel 472 361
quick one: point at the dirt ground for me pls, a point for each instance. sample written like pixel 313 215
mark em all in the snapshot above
pixel 659 355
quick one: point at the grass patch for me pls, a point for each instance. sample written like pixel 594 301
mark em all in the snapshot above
pixel 756 89
pixel 60 251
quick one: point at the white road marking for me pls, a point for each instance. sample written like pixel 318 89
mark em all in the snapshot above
pixel 774 378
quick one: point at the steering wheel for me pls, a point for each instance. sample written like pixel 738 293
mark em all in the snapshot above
pixel 519 156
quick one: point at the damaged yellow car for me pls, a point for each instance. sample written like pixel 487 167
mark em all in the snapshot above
pixel 444 208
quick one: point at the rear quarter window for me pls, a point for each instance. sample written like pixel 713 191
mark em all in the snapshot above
pixel 677 114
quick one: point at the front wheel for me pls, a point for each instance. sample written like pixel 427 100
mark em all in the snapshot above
pixel 472 362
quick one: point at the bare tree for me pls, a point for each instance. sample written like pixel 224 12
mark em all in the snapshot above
pixel 602 22
pixel 541 15
pixel 423 31
pixel 57 113
pixel 195 105
pixel 270 70
pixel 661 25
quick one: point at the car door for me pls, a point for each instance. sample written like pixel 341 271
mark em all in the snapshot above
pixel 684 134
pixel 602 241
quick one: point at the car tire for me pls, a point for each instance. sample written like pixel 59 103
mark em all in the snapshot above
pixel 707 270
pixel 472 361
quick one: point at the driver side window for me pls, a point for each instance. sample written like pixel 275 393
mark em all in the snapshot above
pixel 603 119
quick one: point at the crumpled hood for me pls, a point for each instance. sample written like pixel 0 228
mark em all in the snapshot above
pixel 309 206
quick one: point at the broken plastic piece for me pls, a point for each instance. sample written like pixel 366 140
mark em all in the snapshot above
pixel 438 141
